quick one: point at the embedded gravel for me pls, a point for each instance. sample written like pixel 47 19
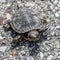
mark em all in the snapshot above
pixel 47 48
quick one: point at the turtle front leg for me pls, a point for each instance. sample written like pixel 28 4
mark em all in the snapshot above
pixel 16 39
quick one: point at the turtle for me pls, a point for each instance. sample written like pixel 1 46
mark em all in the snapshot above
pixel 27 22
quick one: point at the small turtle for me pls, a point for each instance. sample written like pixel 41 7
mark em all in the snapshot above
pixel 27 23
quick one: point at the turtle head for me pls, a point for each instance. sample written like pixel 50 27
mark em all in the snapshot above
pixel 33 35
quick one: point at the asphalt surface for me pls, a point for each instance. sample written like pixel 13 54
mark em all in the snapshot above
pixel 48 46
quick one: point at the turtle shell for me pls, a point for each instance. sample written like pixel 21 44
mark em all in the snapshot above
pixel 25 20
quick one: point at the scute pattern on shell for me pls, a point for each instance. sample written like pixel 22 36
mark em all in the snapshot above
pixel 25 19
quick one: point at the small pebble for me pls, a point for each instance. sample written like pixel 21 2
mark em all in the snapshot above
pixel 5 59
pixel 3 48
pixel 2 1
pixel 8 16
pixel 57 44
pixel 30 58
pixel 56 14
pixel 41 54
pixel 23 52
pixel 50 57
pixel 29 4
pixel 1 37
pixel 14 53
pixel 1 20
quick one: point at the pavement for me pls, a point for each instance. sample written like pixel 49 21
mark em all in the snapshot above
pixel 47 48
